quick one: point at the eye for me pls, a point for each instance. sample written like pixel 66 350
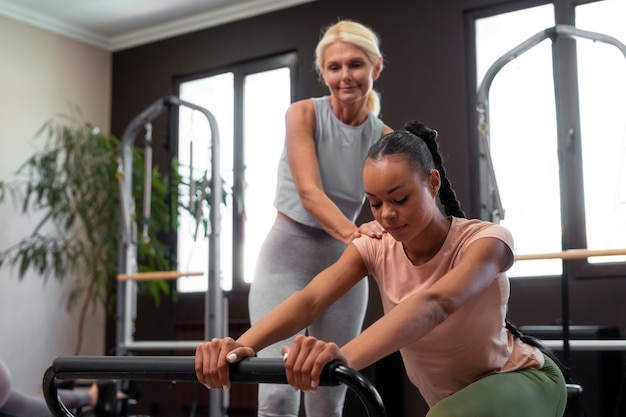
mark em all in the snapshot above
pixel 374 205
pixel 401 201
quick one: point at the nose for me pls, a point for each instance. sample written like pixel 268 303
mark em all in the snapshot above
pixel 388 211
pixel 347 74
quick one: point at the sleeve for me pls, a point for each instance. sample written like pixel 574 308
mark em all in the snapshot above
pixel 366 247
pixel 499 232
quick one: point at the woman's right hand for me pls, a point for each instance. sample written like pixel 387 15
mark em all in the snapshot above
pixel 213 359
pixel 371 229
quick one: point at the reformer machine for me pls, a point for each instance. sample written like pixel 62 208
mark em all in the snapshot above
pixel 181 368
pixel 127 257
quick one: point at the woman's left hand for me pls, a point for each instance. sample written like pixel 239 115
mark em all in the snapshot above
pixel 305 360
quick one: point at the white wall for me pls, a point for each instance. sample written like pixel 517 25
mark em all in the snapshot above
pixel 42 74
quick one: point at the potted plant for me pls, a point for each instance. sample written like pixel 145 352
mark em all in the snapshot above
pixel 72 183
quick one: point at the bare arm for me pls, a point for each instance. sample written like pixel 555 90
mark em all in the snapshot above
pixel 408 322
pixel 295 313
pixel 300 124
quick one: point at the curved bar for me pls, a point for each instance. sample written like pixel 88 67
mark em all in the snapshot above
pixel 366 392
pixel 182 368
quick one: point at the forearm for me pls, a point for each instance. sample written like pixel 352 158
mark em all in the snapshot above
pixel 328 215
pixel 284 321
pixel 402 326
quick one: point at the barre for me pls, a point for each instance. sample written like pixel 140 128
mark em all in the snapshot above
pixel 182 368
pixel 571 254
pixel 146 276
pixel 588 345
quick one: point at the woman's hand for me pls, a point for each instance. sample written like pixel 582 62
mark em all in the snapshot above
pixel 305 360
pixel 371 229
pixel 213 359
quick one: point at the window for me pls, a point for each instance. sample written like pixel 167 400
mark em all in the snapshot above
pixel 558 190
pixel 249 102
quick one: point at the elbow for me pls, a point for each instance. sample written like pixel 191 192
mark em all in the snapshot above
pixel 439 308
pixel 308 199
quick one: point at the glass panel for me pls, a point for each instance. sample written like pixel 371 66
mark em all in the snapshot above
pixel 216 94
pixel 523 134
pixel 267 96
pixel 602 78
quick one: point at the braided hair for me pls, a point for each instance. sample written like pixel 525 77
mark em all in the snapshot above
pixel 423 155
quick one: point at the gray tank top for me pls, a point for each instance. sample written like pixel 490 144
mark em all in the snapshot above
pixel 341 151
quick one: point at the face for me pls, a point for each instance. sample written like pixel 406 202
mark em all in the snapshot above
pixel 401 199
pixel 348 72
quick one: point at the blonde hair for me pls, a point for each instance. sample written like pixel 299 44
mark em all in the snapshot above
pixel 362 37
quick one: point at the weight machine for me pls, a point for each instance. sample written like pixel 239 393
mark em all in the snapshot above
pixel 127 255
pixel 492 208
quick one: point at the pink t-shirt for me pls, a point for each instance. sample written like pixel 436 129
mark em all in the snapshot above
pixel 473 341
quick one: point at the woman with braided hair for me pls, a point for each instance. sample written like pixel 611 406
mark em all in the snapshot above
pixel 444 289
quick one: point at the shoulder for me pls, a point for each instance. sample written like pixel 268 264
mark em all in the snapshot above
pixel 301 113
pixel 305 105
pixel 474 229
pixel 386 130
pixel 371 247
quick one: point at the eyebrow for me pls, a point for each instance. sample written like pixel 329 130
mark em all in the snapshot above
pixel 388 191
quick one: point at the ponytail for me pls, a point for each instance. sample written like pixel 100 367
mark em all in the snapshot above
pixel 373 102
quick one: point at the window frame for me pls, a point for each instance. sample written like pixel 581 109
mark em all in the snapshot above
pixel 570 159
pixel 240 70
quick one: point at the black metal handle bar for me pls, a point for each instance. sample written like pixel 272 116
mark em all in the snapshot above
pixel 182 368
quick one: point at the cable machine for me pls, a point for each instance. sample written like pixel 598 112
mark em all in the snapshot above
pixel 492 208
pixel 127 257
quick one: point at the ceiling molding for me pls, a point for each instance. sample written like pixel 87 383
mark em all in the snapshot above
pixel 154 33
pixel 201 21
pixel 51 24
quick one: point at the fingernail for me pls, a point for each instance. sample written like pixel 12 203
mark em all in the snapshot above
pixel 232 357
pixel 313 384
pixel 285 356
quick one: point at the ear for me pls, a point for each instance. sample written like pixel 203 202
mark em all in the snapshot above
pixel 378 68
pixel 434 182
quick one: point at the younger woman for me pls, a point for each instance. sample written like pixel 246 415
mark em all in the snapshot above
pixel 444 289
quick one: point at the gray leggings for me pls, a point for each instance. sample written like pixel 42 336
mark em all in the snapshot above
pixel 290 257
pixel 16 404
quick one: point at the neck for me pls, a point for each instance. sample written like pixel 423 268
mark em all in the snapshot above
pixel 353 113
pixel 429 242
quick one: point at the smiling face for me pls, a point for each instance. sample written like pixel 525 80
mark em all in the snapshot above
pixel 348 72
pixel 401 198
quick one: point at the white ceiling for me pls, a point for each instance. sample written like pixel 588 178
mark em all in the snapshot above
pixel 120 24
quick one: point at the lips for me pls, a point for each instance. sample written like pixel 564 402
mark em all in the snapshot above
pixel 395 229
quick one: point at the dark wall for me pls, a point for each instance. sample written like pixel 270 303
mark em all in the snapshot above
pixel 425 77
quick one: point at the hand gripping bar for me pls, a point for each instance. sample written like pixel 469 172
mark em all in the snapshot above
pixel 182 368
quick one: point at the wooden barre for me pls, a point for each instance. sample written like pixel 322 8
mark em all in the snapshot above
pixel 146 276
pixel 571 254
